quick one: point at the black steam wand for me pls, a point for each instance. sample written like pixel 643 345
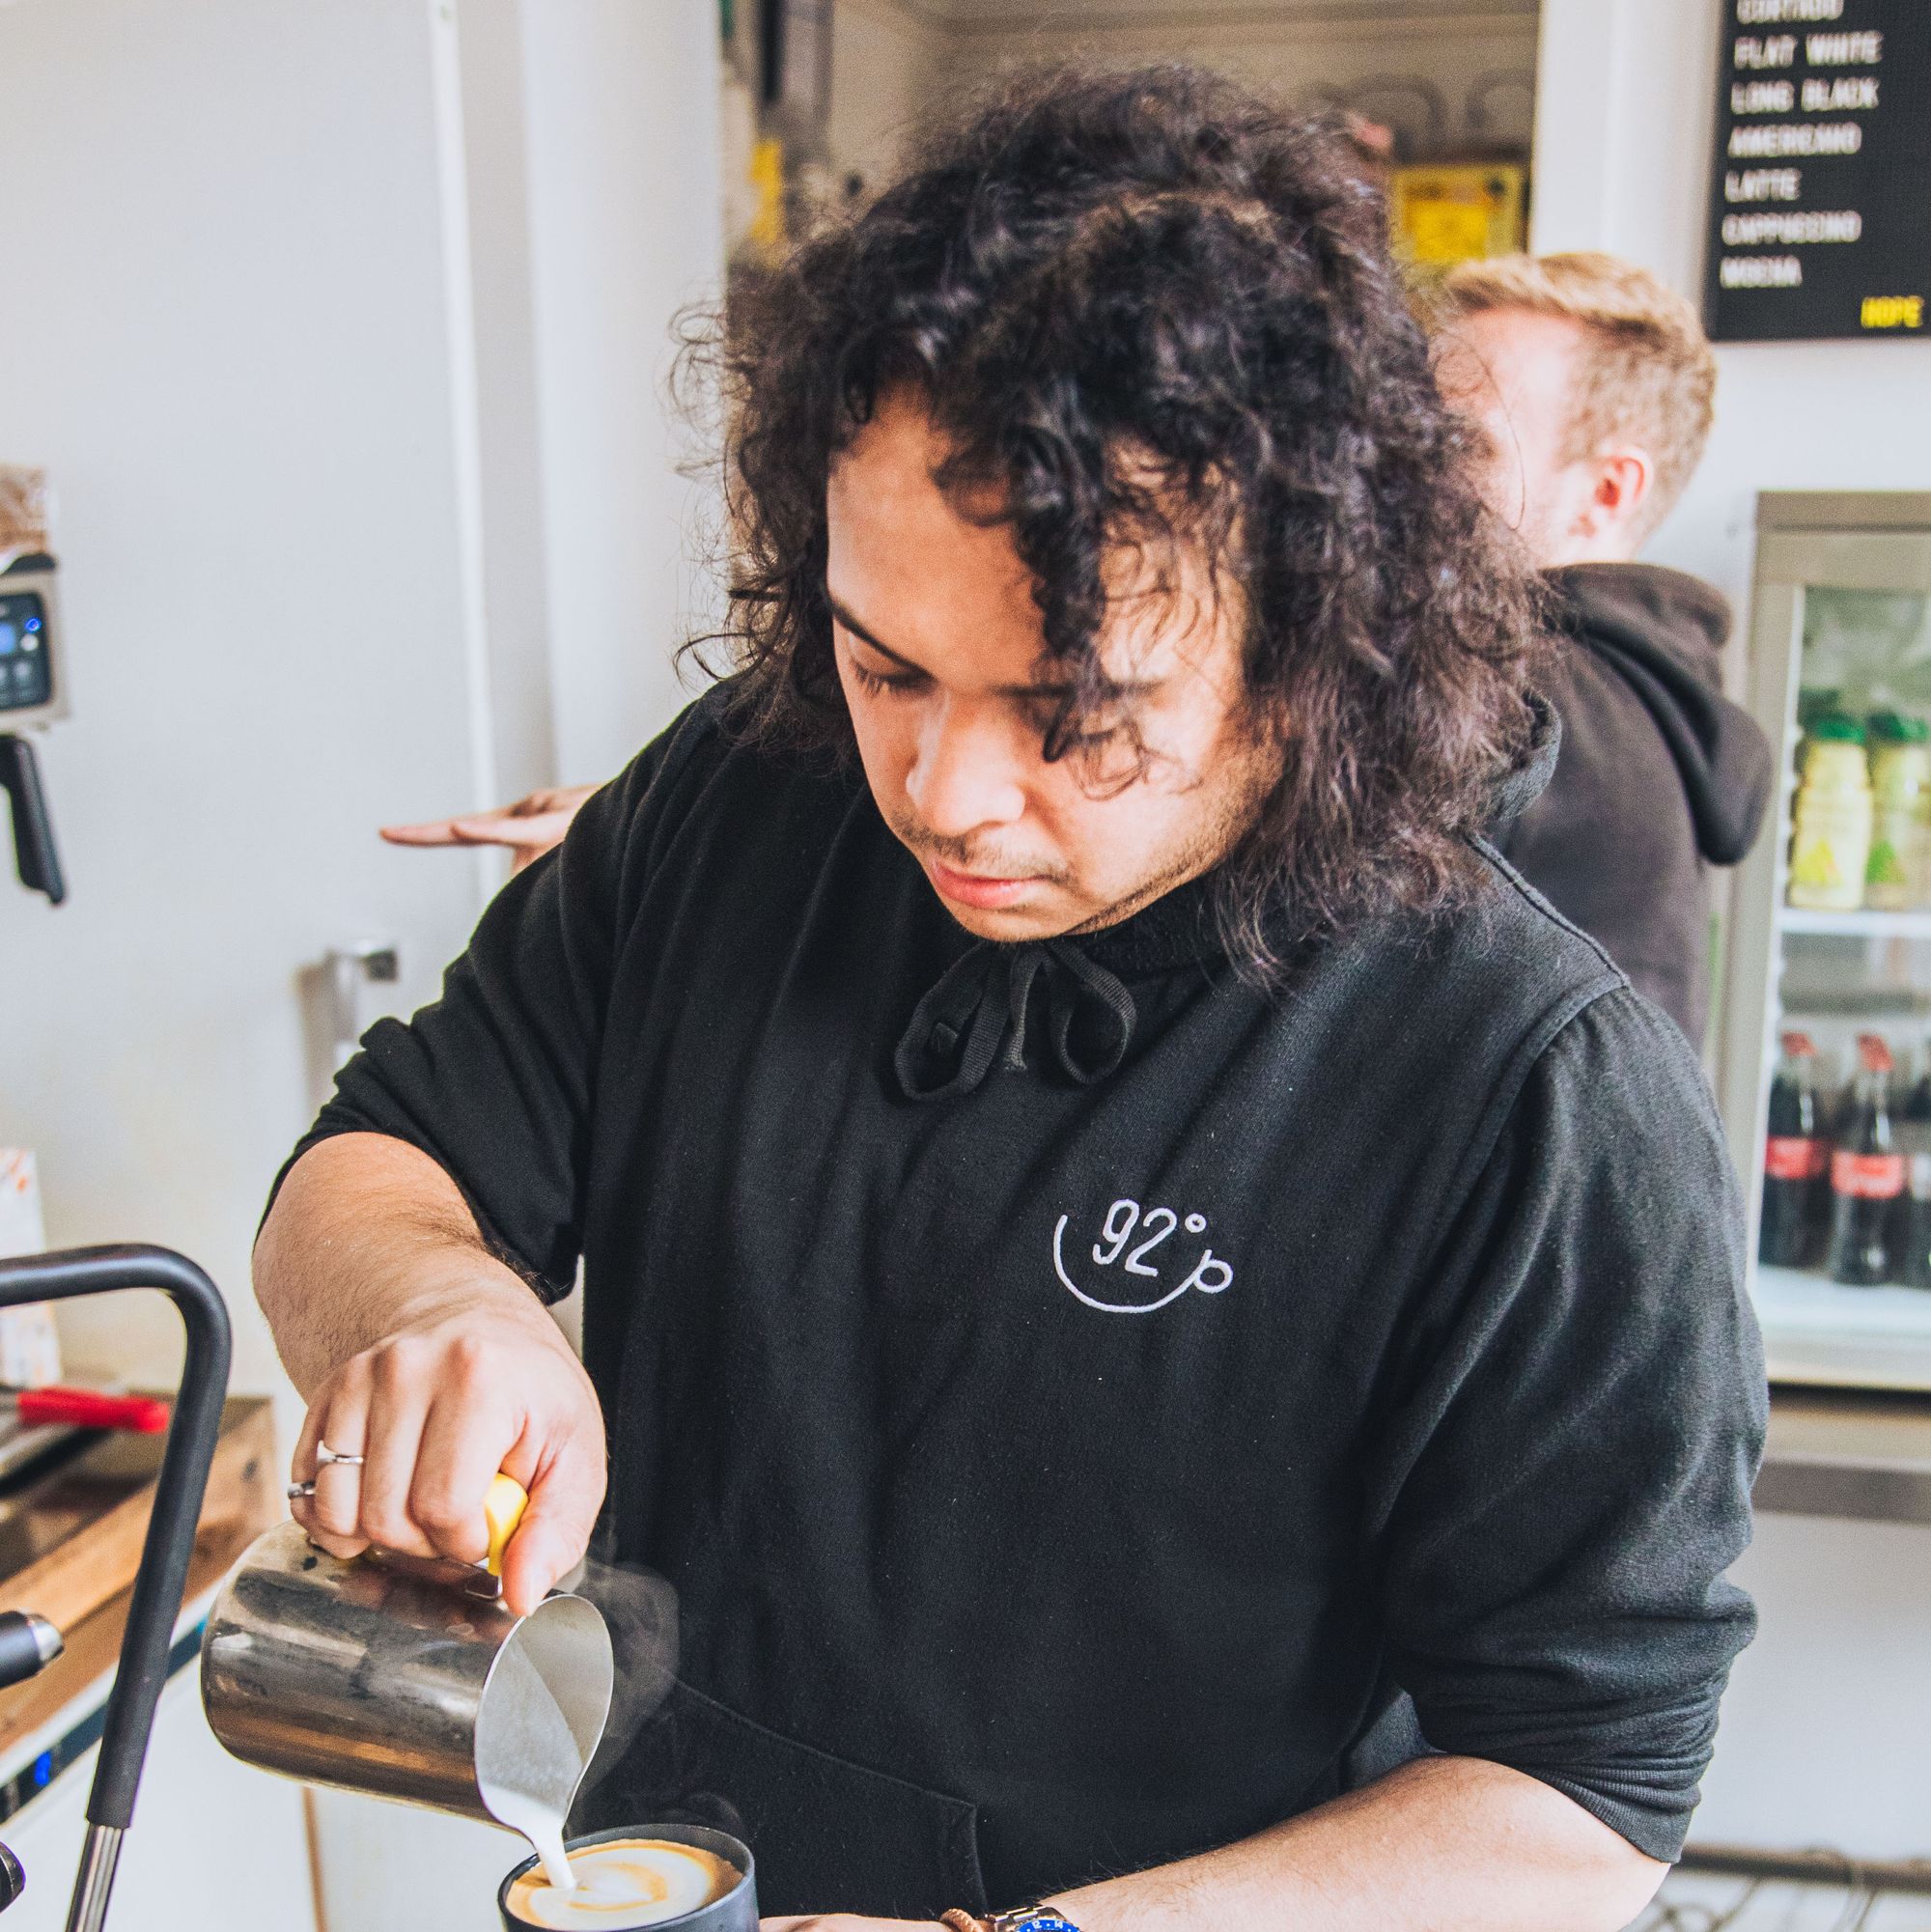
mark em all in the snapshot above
pixel 165 1555
pixel 36 858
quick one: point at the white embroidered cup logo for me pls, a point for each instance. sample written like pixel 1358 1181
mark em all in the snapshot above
pixel 1118 1248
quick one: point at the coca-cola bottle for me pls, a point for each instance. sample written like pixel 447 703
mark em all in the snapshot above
pixel 1796 1162
pixel 1911 1263
pixel 1867 1175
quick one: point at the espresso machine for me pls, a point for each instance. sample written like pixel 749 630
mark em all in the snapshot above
pixel 28 1643
pixel 33 694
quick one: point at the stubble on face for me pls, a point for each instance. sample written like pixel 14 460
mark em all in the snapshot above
pixel 1210 842
pixel 939 637
pixel 1159 616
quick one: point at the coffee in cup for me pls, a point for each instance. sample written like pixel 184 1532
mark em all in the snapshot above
pixel 683 1876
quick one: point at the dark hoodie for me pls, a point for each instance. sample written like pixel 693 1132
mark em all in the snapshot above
pixel 1659 777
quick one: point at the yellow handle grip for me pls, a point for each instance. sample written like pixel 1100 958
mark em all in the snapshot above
pixel 503 1506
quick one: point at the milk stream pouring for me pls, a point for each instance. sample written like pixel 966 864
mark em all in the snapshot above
pixel 538 1767
pixel 410 1680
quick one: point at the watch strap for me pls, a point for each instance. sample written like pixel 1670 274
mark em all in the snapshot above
pixel 1028 1919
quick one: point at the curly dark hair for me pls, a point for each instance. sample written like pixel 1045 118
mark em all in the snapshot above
pixel 1153 307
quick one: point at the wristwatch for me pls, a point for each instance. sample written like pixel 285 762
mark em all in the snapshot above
pixel 1028 1919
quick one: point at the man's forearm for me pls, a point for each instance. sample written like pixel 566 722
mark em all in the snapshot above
pixel 1447 1844
pixel 367 1236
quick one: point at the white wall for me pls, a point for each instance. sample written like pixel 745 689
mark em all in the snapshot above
pixel 341 333
pixel 1824 1736
pixel 334 461
pixel 230 343
pixel 1827 1732
pixel 624 212
pixel 492 161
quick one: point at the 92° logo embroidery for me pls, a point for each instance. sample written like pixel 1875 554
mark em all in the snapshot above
pixel 1123 1220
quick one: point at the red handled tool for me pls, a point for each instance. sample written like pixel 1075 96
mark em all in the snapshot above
pixel 85 1409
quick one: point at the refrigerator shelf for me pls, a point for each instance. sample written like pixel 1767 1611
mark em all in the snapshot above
pixel 1797 1298
pixel 1883 1003
pixel 1817 1331
pixel 1860 925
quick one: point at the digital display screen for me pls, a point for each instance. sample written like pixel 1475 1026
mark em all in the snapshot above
pixel 26 673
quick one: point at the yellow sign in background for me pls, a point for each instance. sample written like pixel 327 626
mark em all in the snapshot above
pixel 1460 211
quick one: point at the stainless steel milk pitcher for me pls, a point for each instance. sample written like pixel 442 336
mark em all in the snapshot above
pixel 384 1677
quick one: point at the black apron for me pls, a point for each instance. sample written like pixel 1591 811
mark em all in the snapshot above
pixel 821 1828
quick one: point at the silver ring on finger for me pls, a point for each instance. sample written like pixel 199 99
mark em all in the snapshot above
pixel 325 1455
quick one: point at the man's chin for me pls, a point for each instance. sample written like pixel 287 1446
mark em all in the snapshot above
pixel 1012 925
pixel 1043 912
pixel 1047 911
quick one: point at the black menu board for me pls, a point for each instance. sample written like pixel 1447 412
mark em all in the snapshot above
pixel 1820 223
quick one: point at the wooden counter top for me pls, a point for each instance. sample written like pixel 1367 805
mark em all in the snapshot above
pixel 70 1540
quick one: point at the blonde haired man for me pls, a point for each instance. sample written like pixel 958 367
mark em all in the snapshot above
pixel 1596 386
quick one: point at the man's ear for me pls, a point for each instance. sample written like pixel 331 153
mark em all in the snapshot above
pixel 1623 481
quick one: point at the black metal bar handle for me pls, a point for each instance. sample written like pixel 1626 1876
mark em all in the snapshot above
pixel 192 1433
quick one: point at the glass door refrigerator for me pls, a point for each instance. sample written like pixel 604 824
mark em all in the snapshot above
pixel 1825 1064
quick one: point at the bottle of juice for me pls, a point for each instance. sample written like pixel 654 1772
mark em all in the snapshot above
pixel 1831 834
pixel 1900 776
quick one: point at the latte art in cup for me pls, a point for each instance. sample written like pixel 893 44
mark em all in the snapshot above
pixel 626 1882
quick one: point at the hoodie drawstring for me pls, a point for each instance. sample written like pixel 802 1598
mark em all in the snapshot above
pixel 984 998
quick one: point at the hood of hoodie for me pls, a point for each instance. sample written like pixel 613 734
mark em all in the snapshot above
pixel 1662 634
pixel 1529 779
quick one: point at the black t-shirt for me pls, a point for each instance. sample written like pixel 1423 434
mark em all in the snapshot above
pixel 1073 1389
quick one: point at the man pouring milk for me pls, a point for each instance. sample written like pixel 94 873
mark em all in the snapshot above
pixel 1117 1236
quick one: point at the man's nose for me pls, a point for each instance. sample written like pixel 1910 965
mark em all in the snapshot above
pixel 967 769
